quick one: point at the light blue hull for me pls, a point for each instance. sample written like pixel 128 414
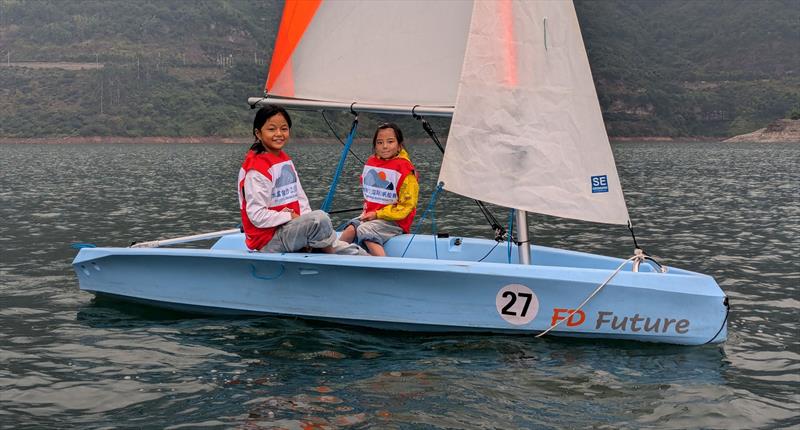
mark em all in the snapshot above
pixel 420 292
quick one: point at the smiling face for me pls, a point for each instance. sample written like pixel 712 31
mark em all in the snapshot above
pixel 274 134
pixel 386 144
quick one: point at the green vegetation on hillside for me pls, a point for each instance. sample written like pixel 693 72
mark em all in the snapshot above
pixel 686 67
pixel 180 68
pixel 170 68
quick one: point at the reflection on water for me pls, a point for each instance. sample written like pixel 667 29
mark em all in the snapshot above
pixel 731 211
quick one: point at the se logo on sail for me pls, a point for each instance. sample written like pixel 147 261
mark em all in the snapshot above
pixel 600 184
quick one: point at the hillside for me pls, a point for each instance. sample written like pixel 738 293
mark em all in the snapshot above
pixel 683 68
pixel 177 68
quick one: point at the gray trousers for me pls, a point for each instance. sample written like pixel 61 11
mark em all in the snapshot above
pixel 377 230
pixel 312 229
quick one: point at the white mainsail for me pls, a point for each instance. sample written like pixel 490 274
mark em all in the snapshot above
pixel 527 131
pixel 384 52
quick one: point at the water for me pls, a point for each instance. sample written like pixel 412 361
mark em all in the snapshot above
pixel 66 360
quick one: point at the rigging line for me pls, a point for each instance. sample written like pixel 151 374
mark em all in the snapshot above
pixel 597 290
pixel 490 251
pixel 326 205
pixel 724 321
pixel 434 236
pixel 511 235
pixel 433 233
pixel 431 203
pixel 630 227
pixel 330 126
pixel 254 105
pixel 427 127
pixel 544 24
pixel 645 256
pixel 340 211
pixel 499 232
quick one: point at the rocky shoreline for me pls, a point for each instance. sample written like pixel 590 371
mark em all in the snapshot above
pixel 163 140
pixel 780 131
pixel 120 139
pixel 300 140
pixel 657 139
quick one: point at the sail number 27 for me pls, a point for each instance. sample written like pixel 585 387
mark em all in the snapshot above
pixel 513 299
pixel 517 304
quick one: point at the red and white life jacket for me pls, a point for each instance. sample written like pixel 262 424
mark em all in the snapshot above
pixel 381 181
pixel 280 170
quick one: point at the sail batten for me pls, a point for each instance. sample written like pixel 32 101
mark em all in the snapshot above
pixel 536 142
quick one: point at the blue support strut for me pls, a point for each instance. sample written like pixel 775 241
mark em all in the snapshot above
pixel 326 205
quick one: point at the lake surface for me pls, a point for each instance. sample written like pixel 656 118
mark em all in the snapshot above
pixel 67 360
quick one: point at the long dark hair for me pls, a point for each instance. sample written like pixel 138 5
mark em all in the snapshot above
pixel 397 133
pixel 262 116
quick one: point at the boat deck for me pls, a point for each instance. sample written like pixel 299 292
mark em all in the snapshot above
pixel 474 250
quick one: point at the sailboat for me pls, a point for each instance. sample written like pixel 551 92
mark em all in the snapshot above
pixel 526 133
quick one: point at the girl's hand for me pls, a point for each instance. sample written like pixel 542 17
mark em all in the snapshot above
pixel 369 216
pixel 294 214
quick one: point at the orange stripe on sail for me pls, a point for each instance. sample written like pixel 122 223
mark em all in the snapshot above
pixel 297 15
pixel 510 48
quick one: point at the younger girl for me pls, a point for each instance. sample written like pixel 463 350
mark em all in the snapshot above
pixel 276 215
pixel 391 190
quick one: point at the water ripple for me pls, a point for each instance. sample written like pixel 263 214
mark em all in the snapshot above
pixel 69 360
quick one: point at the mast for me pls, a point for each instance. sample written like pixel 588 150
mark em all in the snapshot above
pixel 524 248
